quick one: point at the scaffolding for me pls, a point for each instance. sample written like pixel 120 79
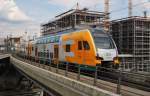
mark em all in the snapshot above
pixel 71 19
pixel 132 36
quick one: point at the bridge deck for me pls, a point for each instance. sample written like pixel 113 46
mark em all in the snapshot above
pixel 2 56
pixel 125 90
pixel 61 84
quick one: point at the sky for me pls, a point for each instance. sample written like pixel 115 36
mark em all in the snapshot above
pixel 20 16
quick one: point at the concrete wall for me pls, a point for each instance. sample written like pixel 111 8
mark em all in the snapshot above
pixel 63 85
pixel 9 77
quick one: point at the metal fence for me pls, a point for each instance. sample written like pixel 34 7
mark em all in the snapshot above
pixel 128 64
pixel 117 77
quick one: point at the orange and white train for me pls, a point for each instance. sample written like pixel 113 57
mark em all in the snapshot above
pixel 88 47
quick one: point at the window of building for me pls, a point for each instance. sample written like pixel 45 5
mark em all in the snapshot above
pixel 86 45
pixel 68 48
pixel 79 45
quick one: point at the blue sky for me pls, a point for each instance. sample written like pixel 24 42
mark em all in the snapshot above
pixel 18 16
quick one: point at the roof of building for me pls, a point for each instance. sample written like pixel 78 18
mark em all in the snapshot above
pixel 132 18
pixel 75 11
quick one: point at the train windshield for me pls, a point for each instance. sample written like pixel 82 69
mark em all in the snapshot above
pixel 103 40
pixel 103 43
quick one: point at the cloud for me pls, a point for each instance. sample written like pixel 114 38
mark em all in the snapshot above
pixel 144 3
pixel 11 12
pixel 19 29
pixel 14 21
pixel 72 3
pixel 147 5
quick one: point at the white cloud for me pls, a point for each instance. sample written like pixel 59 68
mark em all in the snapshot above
pixel 32 28
pixel 147 5
pixel 11 12
pixel 144 3
pixel 72 3
pixel 14 21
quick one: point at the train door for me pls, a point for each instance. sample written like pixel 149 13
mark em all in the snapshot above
pixel 36 51
pixel 79 52
pixel 83 52
pixel 86 53
pixel 56 53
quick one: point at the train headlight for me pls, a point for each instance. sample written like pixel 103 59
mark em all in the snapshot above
pixel 116 60
pixel 99 60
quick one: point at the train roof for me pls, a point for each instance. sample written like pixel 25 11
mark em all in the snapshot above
pixel 100 31
pixel 71 30
pixel 56 38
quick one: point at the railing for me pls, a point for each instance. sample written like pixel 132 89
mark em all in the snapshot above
pixel 3 52
pixel 115 78
pixel 129 64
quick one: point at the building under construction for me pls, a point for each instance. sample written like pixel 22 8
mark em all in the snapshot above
pixel 71 19
pixel 132 36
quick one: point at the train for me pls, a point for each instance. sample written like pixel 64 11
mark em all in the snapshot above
pixel 89 48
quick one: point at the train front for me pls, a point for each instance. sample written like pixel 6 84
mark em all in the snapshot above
pixel 106 49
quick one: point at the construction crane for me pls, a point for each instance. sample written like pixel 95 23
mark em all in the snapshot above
pixel 106 20
pixel 130 8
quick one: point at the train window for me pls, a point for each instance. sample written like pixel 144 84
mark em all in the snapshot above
pixel 79 45
pixel 67 48
pixel 86 45
pixel 45 41
pixel 51 55
pixel 38 54
pixel 32 48
pixel 47 54
pixel 49 40
pixel 42 54
pixel 104 42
